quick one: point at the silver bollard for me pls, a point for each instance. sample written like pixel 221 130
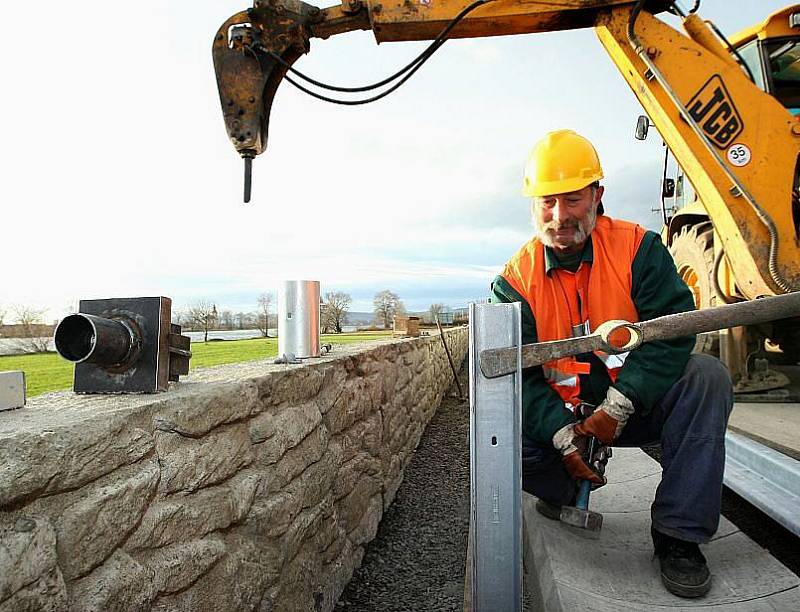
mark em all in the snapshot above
pixel 298 319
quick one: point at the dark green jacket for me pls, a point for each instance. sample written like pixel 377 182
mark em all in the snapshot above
pixel 648 372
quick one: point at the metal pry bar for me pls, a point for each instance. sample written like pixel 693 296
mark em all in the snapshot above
pixel 499 362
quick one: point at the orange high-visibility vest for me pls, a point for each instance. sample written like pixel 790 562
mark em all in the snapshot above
pixel 595 293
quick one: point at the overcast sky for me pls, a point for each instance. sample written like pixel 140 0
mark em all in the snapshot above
pixel 118 178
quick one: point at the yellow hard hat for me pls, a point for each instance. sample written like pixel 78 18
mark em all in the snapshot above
pixel 561 162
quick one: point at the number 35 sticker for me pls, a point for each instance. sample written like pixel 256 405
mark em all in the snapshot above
pixel 739 154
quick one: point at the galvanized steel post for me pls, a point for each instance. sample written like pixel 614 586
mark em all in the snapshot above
pixel 495 463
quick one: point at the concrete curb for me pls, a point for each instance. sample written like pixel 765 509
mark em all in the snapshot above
pixel 566 570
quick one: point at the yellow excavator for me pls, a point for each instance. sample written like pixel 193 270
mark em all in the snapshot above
pixel 726 109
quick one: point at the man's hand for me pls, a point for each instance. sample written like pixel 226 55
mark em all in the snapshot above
pixel 568 442
pixel 607 421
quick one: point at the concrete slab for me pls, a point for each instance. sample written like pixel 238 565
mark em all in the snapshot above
pixel 566 570
pixel 774 425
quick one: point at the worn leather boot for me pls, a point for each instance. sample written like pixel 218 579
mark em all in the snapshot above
pixel 683 567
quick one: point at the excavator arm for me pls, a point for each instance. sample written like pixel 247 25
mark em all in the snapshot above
pixel 737 144
pixel 246 45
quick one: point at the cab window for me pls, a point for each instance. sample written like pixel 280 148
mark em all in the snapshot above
pixel 783 58
pixel 752 58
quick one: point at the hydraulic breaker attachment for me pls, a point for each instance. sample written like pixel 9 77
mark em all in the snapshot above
pixel 248 76
pixel 248 72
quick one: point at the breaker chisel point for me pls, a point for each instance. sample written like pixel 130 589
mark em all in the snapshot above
pixel 248 177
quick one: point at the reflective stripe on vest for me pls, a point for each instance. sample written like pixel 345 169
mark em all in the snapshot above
pixel 607 296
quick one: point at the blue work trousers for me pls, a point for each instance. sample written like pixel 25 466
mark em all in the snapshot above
pixel 689 422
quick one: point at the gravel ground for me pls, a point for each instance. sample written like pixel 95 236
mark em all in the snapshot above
pixel 416 562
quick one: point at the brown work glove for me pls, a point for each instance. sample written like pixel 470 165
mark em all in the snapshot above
pixel 572 447
pixel 607 421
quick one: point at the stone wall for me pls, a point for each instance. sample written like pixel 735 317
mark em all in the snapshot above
pixel 246 487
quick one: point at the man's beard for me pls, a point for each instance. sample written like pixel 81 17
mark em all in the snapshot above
pixel 546 232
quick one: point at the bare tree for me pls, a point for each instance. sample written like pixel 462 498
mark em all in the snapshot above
pixel 202 317
pixel 33 338
pixel 241 319
pixel 2 314
pixel 262 314
pixel 334 311
pixel 387 305
pixel 435 310
pixel 226 319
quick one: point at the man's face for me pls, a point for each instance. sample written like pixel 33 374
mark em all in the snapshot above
pixel 565 220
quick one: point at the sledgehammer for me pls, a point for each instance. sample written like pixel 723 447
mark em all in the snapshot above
pixel 579 515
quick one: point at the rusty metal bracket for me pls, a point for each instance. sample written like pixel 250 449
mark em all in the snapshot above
pixel 179 353
pixel 123 345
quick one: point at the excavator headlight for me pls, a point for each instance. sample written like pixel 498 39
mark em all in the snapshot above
pixel 794 20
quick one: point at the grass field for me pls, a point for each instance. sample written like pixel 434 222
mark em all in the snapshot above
pixel 45 372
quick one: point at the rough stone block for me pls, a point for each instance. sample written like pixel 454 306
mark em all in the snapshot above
pixel 291 425
pixel 192 516
pixel 262 427
pixel 46 594
pixel 188 464
pixel 237 582
pixel 368 525
pixel 292 387
pixel 317 479
pixel 210 407
pixel 366 434
pixel 390 487
pixel 402 378
pixel 270 517
pixel 29 576
pixel 119 585
pixel 304 527
pixel 176 567
pixel 353 506
pixel 332 385
pixel 67 457
pixel 372 434
pixel 297 459
pixel 350 473
pixel 336 575
pixel 300 588
pixel 352 406
pixel 90 530
pixel 330 536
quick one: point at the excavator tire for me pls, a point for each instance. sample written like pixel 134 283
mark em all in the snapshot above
pixel 692 249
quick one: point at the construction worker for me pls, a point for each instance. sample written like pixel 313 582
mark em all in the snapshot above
pixel 583 268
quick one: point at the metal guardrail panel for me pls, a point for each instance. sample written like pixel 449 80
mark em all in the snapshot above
pixel 766 478
pixel 495 464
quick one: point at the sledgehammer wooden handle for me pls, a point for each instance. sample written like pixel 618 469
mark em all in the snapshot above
pixel 502 361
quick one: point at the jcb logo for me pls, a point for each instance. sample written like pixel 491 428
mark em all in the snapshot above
pixel 713 109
